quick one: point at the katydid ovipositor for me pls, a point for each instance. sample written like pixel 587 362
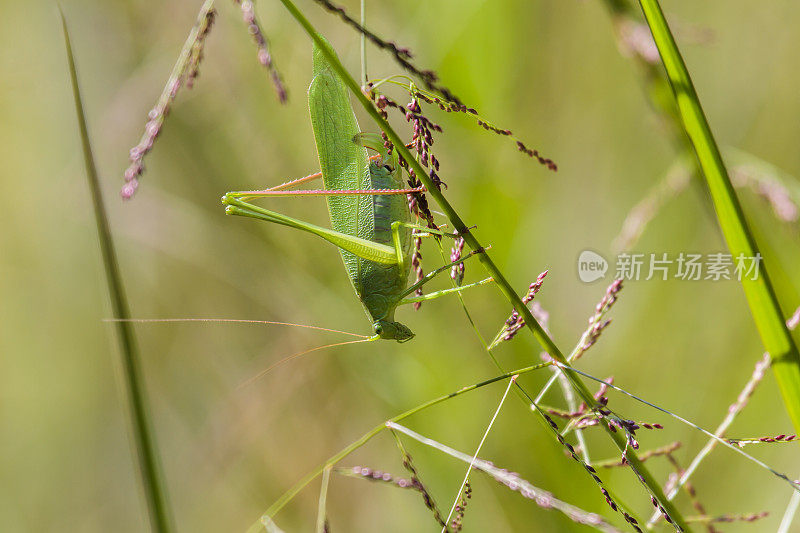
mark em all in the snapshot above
pixel 367 205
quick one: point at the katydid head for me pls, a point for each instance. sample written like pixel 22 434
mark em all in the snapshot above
pixel 387 329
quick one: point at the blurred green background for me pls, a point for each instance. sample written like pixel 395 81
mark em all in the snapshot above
pixel 553 73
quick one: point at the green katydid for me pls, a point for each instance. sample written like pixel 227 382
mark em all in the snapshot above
pixel 367 205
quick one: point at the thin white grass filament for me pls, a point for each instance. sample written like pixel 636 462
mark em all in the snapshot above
pixel 478 451
pixel 788 516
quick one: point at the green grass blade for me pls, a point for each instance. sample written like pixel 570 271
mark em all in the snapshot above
pixel 505 287
pixel 760 295
pixel 154 489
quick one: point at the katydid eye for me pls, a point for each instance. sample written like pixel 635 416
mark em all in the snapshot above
pixel 378 329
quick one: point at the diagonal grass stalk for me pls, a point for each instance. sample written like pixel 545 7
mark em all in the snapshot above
pixel 505 287
pixel 144 439
pixel 760 294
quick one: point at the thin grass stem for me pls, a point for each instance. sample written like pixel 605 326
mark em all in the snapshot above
pixel 143 436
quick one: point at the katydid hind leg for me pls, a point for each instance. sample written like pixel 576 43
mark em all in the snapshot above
pixel 372 251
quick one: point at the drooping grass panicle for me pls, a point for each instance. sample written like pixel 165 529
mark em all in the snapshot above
pixel 597 322
pixel 198 47
pixel 449 106
pixel 416 266
pixel 408 464
pixel 421 141
pixel 264 55
pixel 572 453
pixel 457 524
pixel 515 322
pixel 184 72
pixel 403 56
pixel 378 476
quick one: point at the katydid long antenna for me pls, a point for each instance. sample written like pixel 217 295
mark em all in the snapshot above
pixel 278 363
pixel 232 321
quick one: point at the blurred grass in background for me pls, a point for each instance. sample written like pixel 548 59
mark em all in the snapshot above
pixel 550 71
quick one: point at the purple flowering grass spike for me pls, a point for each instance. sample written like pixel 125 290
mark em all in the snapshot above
pixel 426 496
pixel 644 456
pixel 364 472
pixel 515 322
pixel 728 518
pixel 185 71
pixel 458 521
pixel 457 272
pixel 596 322
pixel 196 55
pixel 416 265
pixel 403 56
pixel 688 487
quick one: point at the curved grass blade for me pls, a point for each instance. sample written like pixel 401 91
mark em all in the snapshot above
pixel 153 485
pixel 760 294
